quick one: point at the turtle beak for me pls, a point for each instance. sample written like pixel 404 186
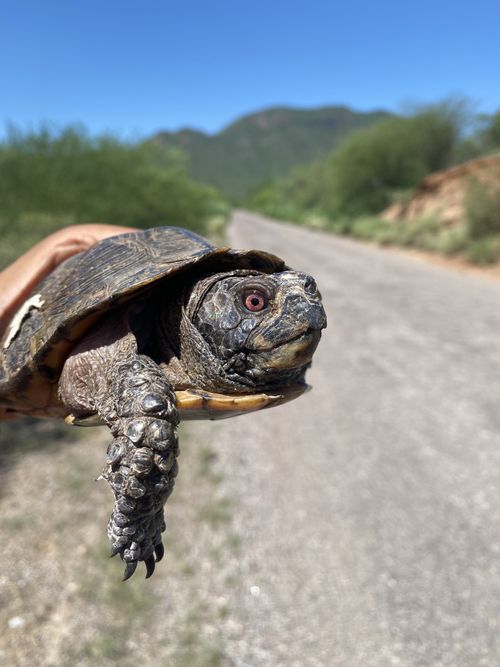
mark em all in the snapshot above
pixel 294 353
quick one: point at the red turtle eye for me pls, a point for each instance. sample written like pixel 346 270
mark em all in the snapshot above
pixel 254 301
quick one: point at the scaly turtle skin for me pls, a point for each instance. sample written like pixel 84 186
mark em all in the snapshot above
pixel 148 327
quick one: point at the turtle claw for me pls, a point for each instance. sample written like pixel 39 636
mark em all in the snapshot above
pixel 114 550
pixel 129 569
pixel 150 566
pixel 159 551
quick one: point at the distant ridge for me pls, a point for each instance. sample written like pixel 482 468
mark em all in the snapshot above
pixel 266 145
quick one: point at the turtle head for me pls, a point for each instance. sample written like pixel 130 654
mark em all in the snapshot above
pixel 257 330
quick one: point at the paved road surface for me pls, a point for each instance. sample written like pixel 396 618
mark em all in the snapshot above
pixel 369 510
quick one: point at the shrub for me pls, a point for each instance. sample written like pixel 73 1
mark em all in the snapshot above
pixel 491 132
pixel 370 228
pixel 484 251
pixel 482 209
pixel 420 233
pixel 452 241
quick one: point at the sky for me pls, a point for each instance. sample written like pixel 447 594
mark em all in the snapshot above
pixel 135 67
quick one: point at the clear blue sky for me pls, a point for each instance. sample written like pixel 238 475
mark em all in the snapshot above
pixel 135 67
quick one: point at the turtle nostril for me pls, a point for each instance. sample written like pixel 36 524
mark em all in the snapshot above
pixel 310 286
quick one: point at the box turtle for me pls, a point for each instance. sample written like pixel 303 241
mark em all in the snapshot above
pixel 149 327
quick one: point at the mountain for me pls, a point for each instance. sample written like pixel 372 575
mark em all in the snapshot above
pixel 264 146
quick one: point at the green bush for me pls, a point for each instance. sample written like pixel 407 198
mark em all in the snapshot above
pixel 370 163
pixel 453 241
pixel 20 234
pixel 482 209
pixel 491 132
pixel 341 225
pixel 425 234
pixel 484 251
pixel 420 233
pixel 52 178
pixel 369 228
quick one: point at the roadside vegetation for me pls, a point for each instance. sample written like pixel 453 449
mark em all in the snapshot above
pixel 380 165
pixel 52 178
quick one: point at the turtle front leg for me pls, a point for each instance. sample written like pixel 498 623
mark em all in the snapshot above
pixel 139 408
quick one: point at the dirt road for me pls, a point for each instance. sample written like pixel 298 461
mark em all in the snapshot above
pixel 358 526
pixel 369 510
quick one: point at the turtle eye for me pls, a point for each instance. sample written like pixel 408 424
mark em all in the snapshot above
pixel 255 300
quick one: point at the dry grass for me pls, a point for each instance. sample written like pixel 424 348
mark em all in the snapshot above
pixel 62 602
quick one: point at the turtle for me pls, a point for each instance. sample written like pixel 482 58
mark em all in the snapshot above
pixel 148 327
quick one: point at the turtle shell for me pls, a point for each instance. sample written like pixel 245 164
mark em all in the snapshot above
pixel 70 300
